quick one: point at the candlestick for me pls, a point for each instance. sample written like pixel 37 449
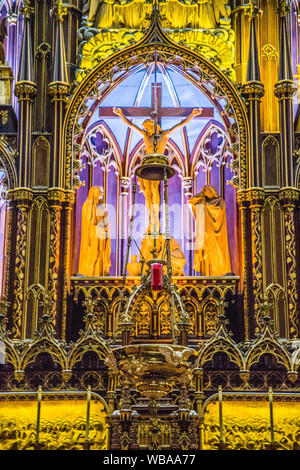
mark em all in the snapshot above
pixel 38 420
pixel 88 408
pixel 220 413
pixel 271 413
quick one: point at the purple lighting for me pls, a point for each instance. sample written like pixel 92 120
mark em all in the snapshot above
pixel 214 143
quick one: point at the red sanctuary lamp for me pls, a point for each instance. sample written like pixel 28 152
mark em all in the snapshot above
pixel 156 276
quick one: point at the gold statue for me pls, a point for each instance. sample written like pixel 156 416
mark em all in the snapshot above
pixel 178 260
pixel 108 14
pixel 95 247
pixel 211 254
pixel 151 189
pixel 203 14
pixel 196 14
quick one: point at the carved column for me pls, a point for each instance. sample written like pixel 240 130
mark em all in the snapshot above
pixel 22 198
pixel 242 200
pixel 66 244
pixel 55 200
pixel 58 90
pixel 111 393
pixel 256 199
pixel 124 210
pixel 289 198
pixel 284 91
pixel 253 91
pixel 187 183
pixel 25 91
pixel 10 252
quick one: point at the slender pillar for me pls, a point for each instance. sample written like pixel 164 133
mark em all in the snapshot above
pixel 25 90
pixel 188 219
pixel 289 198
pixel 124 186
pixel 58 90
pixel 23 198
pixel 253 91
pixel 284 91
pixel 243 202
pixel 55 201
pixel 288 195
pixel 256 200
pixel 68 203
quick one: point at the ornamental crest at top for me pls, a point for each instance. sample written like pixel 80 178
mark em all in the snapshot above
pixel 202 25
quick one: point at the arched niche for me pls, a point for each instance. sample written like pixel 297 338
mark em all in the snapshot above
pixel 271 163
pixel 40 163
pixel 105 79
pixel 8 181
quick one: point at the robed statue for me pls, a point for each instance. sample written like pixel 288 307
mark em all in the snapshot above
pixel 211 251
pixel 95 246
pixel 203 14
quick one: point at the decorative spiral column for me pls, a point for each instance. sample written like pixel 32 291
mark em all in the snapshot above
pixel 55 200
pixel 289 198
pixel 23 198
pixel 256 201
pixel 68 203
pixel 243 202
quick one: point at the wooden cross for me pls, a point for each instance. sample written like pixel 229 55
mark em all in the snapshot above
pixel 135 112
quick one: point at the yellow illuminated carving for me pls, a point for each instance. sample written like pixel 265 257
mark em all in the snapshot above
pixel 199 26
pixel 246 425
pixel 62 425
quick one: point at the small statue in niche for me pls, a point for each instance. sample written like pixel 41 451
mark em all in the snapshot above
pixel 95 246
pixel 110 14
pixel 211 251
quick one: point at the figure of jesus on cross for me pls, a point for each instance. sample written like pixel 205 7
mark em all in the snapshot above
pixel 155 140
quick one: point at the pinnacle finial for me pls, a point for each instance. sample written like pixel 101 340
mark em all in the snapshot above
pixel 59 10
pixel 27 9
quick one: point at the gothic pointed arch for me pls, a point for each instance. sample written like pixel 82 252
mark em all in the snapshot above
pixel 115 68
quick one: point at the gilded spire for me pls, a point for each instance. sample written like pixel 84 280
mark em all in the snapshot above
pixel 253 72
pixel 285 61
pixel 26 69
pixel 60 72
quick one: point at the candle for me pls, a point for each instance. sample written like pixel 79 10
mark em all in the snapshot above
pixel 156 276
pixel 271 414
pixel 220 413
pixel 38 420
pixel 88 408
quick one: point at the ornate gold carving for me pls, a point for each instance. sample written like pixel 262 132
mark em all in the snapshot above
pixel 27 10
pixel 289 198
pixel 4 117
pixel 59 10
pixel 20 264
pixel 285 89
pixel 59 91
pixel 25 91
pixel 253 90
pixel 143 53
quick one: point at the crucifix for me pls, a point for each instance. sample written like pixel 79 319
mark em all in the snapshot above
pixel 155 140
pixel 156 94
